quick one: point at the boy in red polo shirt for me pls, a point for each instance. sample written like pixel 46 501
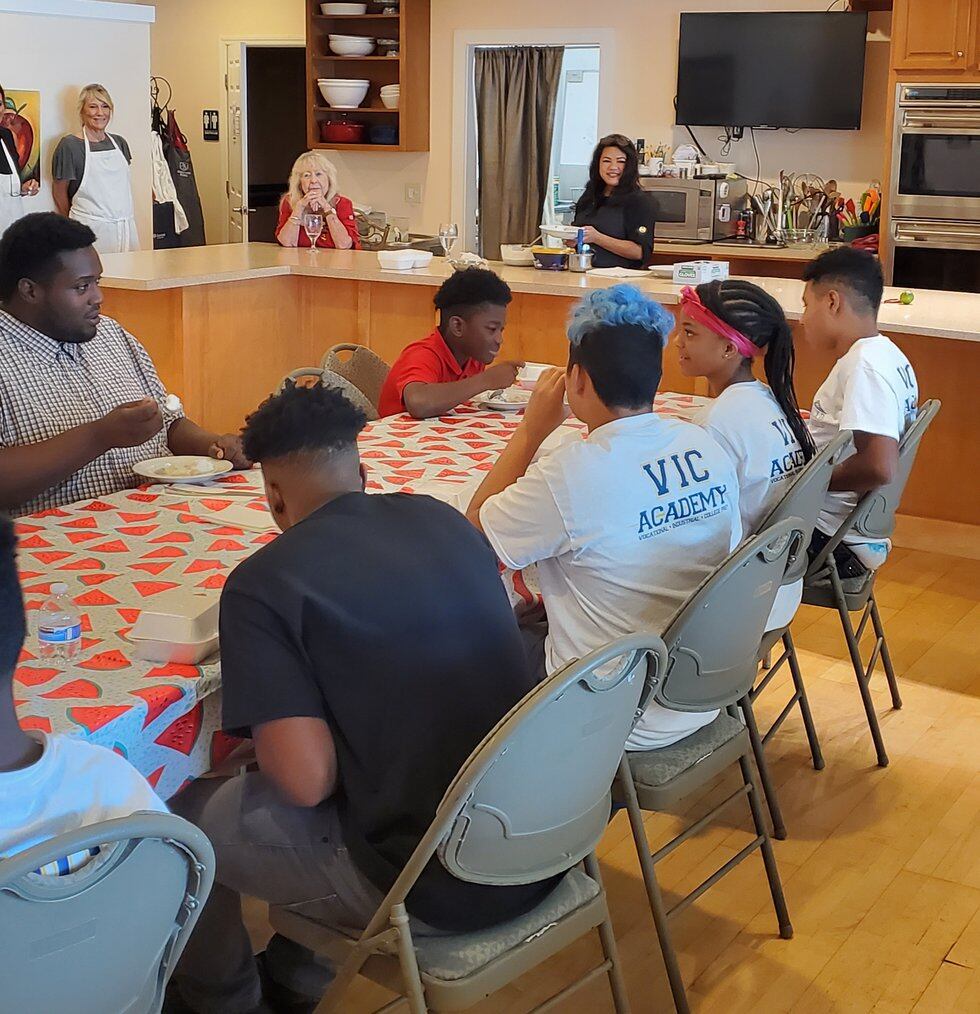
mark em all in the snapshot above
pixel 433 376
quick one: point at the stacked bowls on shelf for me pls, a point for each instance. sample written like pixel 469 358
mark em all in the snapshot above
pixel 343 93
pixel 332 10
pixel 351 45
pixel 390 95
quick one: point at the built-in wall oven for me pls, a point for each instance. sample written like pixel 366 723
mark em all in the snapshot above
pixel 935 209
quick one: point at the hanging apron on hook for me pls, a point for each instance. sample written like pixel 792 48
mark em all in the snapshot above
pixel 11 203
pixel 104 199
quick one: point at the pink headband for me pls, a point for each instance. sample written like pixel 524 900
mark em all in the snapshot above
pixel 691 302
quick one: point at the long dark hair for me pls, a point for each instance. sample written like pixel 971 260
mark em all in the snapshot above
pixel 594 195
pixel 760 318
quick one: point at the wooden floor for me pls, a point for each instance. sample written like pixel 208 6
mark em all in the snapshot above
pixel 881 868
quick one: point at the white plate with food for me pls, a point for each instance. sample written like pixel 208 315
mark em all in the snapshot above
pixel 510 399
pixel 182 468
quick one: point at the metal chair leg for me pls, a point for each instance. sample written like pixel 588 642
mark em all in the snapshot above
pixel 408 961
pixel 811 729
pixel 768 856
pixel 886 658
pixel 858 665
pixel 759 752
pixel 617 984
pixel 653 888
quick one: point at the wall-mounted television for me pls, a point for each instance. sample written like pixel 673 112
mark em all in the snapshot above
pixel 798 70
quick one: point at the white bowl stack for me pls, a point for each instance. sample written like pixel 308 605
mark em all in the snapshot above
pixel 342 9
pixel 343 93
pixel 390 96
pixel 351 45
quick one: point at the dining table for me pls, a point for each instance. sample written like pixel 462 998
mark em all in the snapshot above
pixel 116 553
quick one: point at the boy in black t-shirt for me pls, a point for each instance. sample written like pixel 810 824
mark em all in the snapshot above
pixel 367 651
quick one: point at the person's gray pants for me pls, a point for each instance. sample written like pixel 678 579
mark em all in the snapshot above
pixel 285 855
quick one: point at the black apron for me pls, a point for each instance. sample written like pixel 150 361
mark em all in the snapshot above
pixel 610 219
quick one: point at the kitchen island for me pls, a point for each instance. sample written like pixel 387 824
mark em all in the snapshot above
pixel 225 323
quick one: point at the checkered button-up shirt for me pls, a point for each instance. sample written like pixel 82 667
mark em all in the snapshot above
pixel 48 387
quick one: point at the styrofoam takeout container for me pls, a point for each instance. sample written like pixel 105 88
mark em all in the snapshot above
pixel 174 652
pixel 404 260
pixel 182 616
pixel 530 373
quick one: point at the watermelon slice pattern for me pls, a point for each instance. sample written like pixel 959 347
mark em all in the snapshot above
pixel 118 552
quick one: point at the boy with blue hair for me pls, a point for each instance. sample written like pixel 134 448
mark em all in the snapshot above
pixel 625 523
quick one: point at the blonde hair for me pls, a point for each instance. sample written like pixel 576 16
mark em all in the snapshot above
pixel 321 162
pixel 94 91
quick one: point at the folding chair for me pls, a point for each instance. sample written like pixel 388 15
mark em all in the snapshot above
pixel 803 500
pixel 531 802
pixel 330 379
pixel 874 519
pixel 366 370
pixel 712 645
pixel 106 937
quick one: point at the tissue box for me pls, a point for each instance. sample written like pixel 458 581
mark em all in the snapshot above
pixel 698 272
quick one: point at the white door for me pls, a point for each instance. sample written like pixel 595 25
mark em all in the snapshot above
pixel 236 186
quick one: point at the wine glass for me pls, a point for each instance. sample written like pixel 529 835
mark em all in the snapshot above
pixel 448 234
pixel 313 226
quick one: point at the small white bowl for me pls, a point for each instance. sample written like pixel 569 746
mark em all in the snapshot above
pixel 351 45
pixel 390 101
pixel 335 9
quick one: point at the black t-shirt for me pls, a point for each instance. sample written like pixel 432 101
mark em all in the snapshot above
pixel 632 216
pixel 384 615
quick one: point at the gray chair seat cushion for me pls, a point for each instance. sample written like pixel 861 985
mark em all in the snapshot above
pixel 455 957
pixel 657 767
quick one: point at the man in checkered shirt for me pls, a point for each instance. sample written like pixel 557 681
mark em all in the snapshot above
pixel 80 400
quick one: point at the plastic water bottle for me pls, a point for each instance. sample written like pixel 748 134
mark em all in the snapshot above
pixel 59 628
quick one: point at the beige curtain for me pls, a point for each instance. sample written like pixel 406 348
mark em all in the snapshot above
pixel 516 94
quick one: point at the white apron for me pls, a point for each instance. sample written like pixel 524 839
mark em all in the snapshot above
pixel 11 203
pixel 104 199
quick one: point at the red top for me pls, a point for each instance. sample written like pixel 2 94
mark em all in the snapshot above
pixel 429 361
pixel 345 212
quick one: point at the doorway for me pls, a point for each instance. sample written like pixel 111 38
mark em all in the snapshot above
pixel 265 86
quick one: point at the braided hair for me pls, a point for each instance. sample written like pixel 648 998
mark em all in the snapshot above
pixel 760 318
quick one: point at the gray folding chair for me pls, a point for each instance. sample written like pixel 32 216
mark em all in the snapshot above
pixel 803 500
pixel 532 801
pixel 712 646
pixel 366 370
pixel 328 378
pixel 873 519
pixel 107 937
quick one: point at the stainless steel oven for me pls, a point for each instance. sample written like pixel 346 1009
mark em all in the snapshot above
pixel 935 186
pixel 693 210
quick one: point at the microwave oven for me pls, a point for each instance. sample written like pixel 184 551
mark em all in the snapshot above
pixel 695 210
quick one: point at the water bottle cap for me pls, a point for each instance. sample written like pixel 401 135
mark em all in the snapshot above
pixel 59 588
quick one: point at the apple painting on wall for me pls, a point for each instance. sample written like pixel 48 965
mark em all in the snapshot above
pixel 21 115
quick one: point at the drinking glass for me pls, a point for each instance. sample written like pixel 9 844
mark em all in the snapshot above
pixel 448 234
pixel 313 226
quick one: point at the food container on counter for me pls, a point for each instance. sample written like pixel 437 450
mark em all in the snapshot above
pixel 404 260
pixel 342 132
pixel 549 259
pixel 516 254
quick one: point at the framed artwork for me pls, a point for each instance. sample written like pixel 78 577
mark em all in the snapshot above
pixel 21 115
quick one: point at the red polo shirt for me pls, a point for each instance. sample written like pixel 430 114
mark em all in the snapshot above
pixel 429 361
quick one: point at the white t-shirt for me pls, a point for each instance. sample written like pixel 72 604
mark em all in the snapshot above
pixel 871 389
pixel 72 785
pixel 749 424
pixel 623 525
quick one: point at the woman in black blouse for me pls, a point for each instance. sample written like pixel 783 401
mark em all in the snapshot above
pixel 618 217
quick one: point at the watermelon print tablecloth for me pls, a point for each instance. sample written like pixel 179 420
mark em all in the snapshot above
pixel 115 554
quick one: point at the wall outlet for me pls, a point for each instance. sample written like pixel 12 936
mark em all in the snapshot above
pixel 413 193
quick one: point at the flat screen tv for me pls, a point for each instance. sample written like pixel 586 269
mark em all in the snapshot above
pixel 803 70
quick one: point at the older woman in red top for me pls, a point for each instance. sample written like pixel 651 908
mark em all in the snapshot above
pixel 313 190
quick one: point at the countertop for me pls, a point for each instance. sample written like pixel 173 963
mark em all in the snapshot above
pixel 937 314
pixel 725 251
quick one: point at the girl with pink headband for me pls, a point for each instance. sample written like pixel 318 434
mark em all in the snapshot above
pixel 722 328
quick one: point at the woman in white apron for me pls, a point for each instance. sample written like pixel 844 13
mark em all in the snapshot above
pixel 12 191
pixel 103 199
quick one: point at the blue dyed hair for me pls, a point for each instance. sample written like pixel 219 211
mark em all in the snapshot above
pixel 617 336
pixel 616 306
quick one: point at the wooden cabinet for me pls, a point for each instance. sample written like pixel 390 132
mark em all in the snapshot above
pixel 408 67
pixel 930 35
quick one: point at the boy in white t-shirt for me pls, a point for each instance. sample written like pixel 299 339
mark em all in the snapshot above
pixel 625 523
pixel 50 784
pixel 871 391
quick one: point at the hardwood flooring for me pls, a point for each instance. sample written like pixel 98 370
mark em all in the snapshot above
pixel 881 867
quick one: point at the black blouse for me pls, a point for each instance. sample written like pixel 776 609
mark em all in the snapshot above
pixel 632 217
pixel 7 137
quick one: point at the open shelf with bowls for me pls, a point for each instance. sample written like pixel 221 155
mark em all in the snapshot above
pixel 368 67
